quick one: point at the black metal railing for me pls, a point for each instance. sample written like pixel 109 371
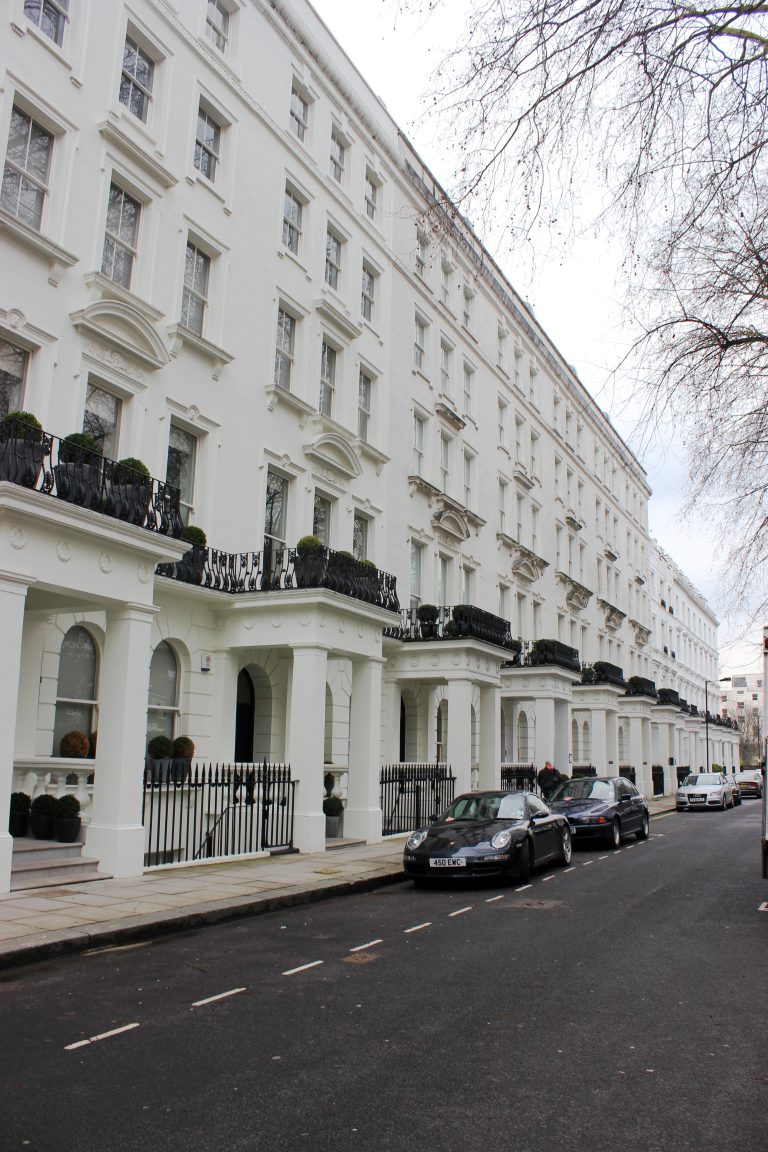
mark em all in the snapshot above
pixel 580 770
pixel 455 622
pixel 553 652
pixel 601 672
pixel 207 812
pixel 46 463
pixel 682 771
pixel 278 569
pixel 411 794
pixel 640 686
pixel 668 696
pixel 519 777
pixel 657 776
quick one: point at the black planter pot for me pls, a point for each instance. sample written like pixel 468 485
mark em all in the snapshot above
pixel 192 565
pixel 309 570
pixel 81 484
pixel 66 829
pixel 131 500
pixel 41 825
pixel 181 769
pixel 333 827
pixel 18 822
pixel 21 460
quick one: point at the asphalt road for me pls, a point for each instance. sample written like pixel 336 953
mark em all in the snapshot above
pixel 621 1003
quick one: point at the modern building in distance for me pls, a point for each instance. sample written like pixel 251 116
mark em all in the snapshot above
pixel 222 258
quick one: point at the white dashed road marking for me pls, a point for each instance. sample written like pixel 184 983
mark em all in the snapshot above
pixel 418 927
pixel 602 857
pixel 221 996
pixel 545 878
pixel 571 869
pixel 460 911
pixel 493 899
pixel 370 944
pixel 763 907
pixel 303 968
pixel 101 1036
pixel 523 888
pixel 587 863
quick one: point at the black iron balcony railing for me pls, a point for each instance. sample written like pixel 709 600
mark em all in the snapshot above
pixel 640 686
pixel 280 569
pixel 669 696
pixel 46 463
pixel 553 652
pixel 601 672
pixel 457 622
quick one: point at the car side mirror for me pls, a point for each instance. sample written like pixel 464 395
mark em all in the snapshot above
pixel 433 818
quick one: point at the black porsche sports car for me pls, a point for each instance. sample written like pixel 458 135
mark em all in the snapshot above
pixel 488 834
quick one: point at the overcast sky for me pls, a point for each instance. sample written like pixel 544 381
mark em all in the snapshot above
pixel 574 298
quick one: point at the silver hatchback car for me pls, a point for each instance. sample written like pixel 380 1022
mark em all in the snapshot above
pixel 704 790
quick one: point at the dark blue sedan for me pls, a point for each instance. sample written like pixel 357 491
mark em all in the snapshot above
pixel 602 807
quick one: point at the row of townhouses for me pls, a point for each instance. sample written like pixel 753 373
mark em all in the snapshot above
pixel 223 259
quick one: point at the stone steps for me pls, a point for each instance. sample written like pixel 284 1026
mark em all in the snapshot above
pixel 47 864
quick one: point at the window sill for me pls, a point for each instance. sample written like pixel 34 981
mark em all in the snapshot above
pixel 58 258
pixel 44 42
pixel 109 290
pixel 195 178
pixel 277 395
pixel 180 336
pixel 114 132
pixel 286 254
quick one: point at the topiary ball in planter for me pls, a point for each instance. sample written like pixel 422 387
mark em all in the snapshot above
pixel 75 744
pixel 160 753
pixel 41 816
pixel 18 819
pixel 183 751
pixel 334 814
pixel 66 819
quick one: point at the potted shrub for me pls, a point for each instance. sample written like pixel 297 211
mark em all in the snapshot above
pixel 131 490
pixel 66 819
pixel 309 561
pixel 334 814
pixel 160 754
pixel 427 615
pixel 21 448
pixel 183 751
pixel 41 815
pixel 80 471
pixel 76 744
pixel 192 564
pixel 19 814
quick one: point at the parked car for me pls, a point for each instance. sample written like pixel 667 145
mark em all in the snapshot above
pixel 750 782
pixel 602 807
pixel 703 790
pixel 495 833
pixel 735 790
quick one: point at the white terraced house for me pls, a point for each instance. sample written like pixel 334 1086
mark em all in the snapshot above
pixel 221 258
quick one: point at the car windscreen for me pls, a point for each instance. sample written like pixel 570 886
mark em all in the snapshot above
pixel 486 808
pixel 583 789
pixel 702 778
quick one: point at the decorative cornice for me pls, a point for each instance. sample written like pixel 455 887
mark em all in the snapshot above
pixel 614 617
pixel 526 565
pixel 642 634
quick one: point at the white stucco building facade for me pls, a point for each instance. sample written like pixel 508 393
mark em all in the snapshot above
pixel 221 257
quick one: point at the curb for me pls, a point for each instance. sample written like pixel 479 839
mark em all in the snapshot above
pixel 76 941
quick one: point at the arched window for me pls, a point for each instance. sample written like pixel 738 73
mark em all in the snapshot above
pixel 623 750
pixel 575 741
pixel 586 741
pixel 163 692
pixel 523 753
pixel 76 689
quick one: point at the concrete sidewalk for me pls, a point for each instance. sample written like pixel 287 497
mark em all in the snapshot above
pixel 37 924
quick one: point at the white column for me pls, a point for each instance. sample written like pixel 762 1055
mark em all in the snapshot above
pixel 13 592
pixel 115 835
pixel 305 741
pixel 490 736
pixel 612 743
pixel 459 752
pixel 224 676
pixel 544 735
pixel 362 818
pixel 29 689
pixel 599 755
pixel 391 694
pixel 428 725
pixel 562 737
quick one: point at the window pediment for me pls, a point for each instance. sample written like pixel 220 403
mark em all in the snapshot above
pixel 124 327
pixel 333 451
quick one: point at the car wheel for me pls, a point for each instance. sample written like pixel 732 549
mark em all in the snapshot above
pixel 615 834
pixel 566 846
pixel 722 804
pixel 645 828
pixel 525 862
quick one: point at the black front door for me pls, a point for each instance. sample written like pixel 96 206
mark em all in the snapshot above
pixel 244 718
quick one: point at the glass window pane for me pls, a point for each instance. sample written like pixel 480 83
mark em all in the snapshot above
pixel 274 518
pixel 101 419
pixel 163 677
pixel 77 666
pixel 12 364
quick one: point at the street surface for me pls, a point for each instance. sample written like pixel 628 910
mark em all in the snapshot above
pixel 621 1003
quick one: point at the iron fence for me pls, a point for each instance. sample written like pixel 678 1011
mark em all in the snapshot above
pixel 410 794
pixel 520 777
pixel 214 811
pixel 657 776
pixel 628 772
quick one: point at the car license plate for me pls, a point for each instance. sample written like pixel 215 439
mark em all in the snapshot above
pixel 448 862
pixel 696 799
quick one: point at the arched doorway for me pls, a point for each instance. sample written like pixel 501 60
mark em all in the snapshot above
pixel 244 718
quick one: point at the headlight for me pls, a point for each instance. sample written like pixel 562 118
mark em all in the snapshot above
pixel 501 839
pixel 416 839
